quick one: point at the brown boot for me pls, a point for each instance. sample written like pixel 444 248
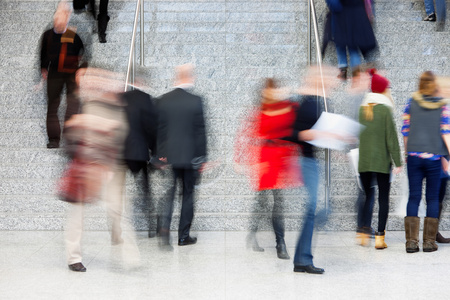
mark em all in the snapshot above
pixel 379 240
pixel 412 226
pixel 430 229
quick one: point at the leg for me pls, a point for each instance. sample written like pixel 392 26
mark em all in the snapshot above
pixel 55 85
pixel 103 20
pixel 341 52
pixel 187 207
pixel 433 182
pixel 258 207
pixel 278 224
pixel 441 8
pixel 303 253
pixel 442 191
pixel 429 7
pixel 355 58
pixel 166 205
pixel 367 209
pixel 384 187
pixel 73 233
pixel 73 102
pixel 415 179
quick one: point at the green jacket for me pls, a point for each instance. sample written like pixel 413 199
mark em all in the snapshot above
pixel 378 145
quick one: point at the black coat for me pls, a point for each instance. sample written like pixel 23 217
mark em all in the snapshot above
pixel 351 26
pixel 143 124
pixel 181 128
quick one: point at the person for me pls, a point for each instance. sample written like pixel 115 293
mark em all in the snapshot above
pixel 426 134
pixel 60 57
pixel 141 139
pixel 378 147
pixel 181 142
pixel 442 192
pixel 95 141
pixel 441 9
pixel 274 170
pixel 307 113
pixel 352 31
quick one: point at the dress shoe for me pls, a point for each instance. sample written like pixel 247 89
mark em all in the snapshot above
pixel 53 145
pixel 102 38
pixel 282 251
pixel 308 269
pixel 442 240
pixel 77 267
pixel 187 241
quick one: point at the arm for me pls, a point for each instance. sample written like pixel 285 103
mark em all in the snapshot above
pixel 44 56
pixel 392 142
pixel 406 124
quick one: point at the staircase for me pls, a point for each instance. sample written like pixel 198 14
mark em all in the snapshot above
pixel 234 44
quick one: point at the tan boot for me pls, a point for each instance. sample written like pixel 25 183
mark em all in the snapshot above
pixel 430 229
pixel 379 240
pixel 412 226
pixel 363 237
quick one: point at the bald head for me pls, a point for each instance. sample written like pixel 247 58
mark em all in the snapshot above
pixel 62 17
pixel 185 74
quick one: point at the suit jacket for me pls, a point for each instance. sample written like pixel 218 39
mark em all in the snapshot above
pixel 181 128
pixel 143 124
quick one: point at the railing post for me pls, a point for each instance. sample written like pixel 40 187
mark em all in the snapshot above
pixel 142 33
pixel 312 13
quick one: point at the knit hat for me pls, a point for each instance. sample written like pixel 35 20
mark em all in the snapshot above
pixel 379 83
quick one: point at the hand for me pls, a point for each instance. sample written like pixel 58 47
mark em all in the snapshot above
pixel 397 170
pixel 44 73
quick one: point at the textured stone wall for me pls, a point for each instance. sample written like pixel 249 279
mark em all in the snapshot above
pixel 234 45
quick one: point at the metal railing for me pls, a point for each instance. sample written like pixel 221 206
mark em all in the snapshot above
pixel 129 81
pixel 312 15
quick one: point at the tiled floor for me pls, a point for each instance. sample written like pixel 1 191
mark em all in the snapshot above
pixel 32 266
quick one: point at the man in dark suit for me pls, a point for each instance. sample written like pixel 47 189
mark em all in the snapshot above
pixel 182 144
pixel 141 139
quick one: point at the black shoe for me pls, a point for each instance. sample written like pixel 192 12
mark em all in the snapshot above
pixel 53 145
pixel 430 18
pixel 187 241
pixel 102 38
pixel 282 251
pixel 309 269
pixel 77 267
pixel 152 234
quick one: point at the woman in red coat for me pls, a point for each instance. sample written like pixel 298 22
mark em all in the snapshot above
pixel 274 161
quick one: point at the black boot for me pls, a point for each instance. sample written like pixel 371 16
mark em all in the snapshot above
pixel 281 250
pixel 439 238
pixel 343 74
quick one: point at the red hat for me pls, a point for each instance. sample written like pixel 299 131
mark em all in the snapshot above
pixel 379 83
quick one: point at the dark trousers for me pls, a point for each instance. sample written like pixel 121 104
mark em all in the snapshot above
pixel 188 178
pixel 103 17
pixel 384 187
pixel 418 170
pixel 55 85
pixel 277 212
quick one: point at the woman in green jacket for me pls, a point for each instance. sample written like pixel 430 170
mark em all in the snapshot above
pixel 378 148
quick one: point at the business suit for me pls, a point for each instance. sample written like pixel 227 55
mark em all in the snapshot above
pixel 143 124
pixel 182 141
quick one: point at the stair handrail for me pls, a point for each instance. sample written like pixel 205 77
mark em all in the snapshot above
pixel 312 14
pixel 131 57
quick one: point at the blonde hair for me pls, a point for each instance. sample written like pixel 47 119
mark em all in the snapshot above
pixel 368 111
pixel 427 83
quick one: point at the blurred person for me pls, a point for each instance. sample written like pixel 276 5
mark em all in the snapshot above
pixel 378 148
pixel 95 141
pixel 426 134
pixel 439 15
pixel 141 140
pixel 102 18
pixel 181 143
pixel 60 57
pixel 311 99
pixel 272 159
pixel 360 84
pixel 442 192
pixel 352 31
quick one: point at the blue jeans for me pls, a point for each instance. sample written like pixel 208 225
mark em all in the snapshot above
pixel 355 59
pixel 419 169
pixel 310 170
pixel 440 9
